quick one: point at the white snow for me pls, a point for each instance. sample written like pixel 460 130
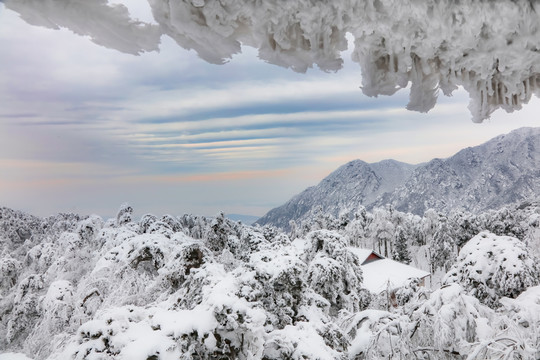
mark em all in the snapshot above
pixel 303 341
pixel 13 356
pixel 361 323
pixel 383 274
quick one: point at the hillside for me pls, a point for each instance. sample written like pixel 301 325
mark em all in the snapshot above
pixel 356 182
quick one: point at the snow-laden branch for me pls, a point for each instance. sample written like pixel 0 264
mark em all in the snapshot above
pixel 431 46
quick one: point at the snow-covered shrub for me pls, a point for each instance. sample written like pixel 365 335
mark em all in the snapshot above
pixel 338 282
pixel 26 311
pixel 523 329
pixel 9 268
pixel 146 221
pixel 448 325
pixel 276 281
pixel 209 331
pixel 124 215
pixel 160 227
pixel 304 341
pixel 450 321
pixel 249 242
pixel 172 223
pixel 56 308
pixel 189 255
pixel 334 272
pixel 113 333
pixel 72 258
pixel 463 227
pixel 410 291
pixel 40 257
pixel 376 334
pixel 194 226
pixel 326 242
pixel 490 267
pixel 89 229
pixel 149 257
pixel 220 235
pixel 504 222
pixel 129 273
pixel 110 236
pixel 237 323
pixel 63 222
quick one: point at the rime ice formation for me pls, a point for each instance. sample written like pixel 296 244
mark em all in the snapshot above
pixel 431 45
pixel 106 25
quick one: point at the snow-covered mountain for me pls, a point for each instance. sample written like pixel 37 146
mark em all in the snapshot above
pixel 356 182
pixel 245 219
pixel 501 171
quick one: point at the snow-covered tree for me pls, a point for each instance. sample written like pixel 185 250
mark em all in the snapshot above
pixel 382 231
pixel 463 226
pixel 490 267
pixel 449 324
pixel 442 247
pixel 334 272
pixel 124 215
pixel 400 249
pixel 218 234
pixel 201 288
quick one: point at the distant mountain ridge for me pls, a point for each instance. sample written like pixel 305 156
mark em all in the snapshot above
pixel 356 182
pixel 504 170
pixel 245 219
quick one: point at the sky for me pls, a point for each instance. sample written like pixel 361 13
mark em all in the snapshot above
pixel 85 128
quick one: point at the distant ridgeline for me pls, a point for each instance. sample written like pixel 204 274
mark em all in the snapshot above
pixel 431 45
pixel 502 171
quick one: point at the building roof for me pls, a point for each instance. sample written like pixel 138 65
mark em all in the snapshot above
pixel 365 254
pixel 382 274
pixel 389 274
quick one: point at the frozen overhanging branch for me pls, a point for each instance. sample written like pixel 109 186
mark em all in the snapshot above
pixel 490 48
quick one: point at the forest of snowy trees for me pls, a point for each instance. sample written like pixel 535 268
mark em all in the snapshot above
pixel 190 287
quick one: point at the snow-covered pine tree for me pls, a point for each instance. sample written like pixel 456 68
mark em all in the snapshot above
pixel 400 249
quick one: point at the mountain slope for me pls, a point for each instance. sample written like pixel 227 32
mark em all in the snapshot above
pixel 501 171
pixel 356 182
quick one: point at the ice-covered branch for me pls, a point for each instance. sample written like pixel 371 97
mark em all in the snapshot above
pixel 431 46
pixel 107 25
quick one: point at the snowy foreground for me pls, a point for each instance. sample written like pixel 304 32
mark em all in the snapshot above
pixel 195 288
